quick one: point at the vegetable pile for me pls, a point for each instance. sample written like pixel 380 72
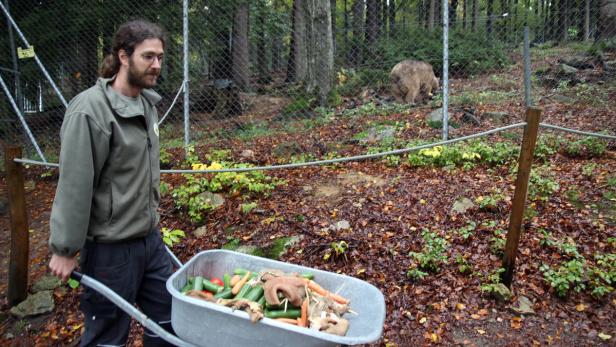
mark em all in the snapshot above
pixel 286 297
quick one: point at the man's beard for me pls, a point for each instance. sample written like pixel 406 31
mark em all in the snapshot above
pixel 138 78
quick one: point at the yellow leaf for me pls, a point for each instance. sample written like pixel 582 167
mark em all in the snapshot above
pixel 481 332
pixel 475 316
pixel 460 306
pixel 422 201
pixel 580 307
pixel 434 337
pixel 604 337
pixel 361 271
pixel 423 320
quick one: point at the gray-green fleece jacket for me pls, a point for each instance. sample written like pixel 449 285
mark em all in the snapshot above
pixel 108 189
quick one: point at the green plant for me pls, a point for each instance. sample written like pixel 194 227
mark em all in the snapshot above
pixel 466 231
pixel 568 248
pixel 246 208
pixel 586 147
pixel 588 169
pixel 542 184
pixel 570 275
pixel 416 274
pixel 191 156
pixel 463 266
pixel 546 238
pixel 497 245
pixel 611 181
pixel 490 202
pixel 171 237
pixel 491 281
pixel 164 188
pixel 165 157
pixel 336 249
pixel 433 253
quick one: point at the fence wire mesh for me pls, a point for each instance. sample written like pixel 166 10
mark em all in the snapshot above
pixel 266 75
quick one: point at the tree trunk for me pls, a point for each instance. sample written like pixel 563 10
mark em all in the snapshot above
pixel 607 19
pixel 453 13
pixel 564 19
pixel 241 72
pixel 320 49
pixel 298 64
pixel 489 12
pixel 346 25
pixel 464 14
pixel 474 19
pixel 392 18
pixel 372 22
pixel 431 14
pixel 355 53
pixel 262 63
pixel 332 6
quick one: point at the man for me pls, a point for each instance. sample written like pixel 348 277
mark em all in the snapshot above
pixel 108 192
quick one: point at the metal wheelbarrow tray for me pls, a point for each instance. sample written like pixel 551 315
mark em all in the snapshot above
pixel 202 323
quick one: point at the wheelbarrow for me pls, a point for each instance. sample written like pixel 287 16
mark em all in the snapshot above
pixel 200 323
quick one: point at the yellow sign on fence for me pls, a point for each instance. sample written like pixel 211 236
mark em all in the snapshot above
pixel 25 53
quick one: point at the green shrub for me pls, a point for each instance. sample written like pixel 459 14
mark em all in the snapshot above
pixel 570 275
pixel 433 253
pixel 587 147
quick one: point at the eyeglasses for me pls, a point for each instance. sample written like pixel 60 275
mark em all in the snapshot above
pixel 149 58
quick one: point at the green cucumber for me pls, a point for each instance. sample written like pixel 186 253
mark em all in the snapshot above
pixel 292 313
pixel 225 294
pixel 245 289
pixel 255 293
pixel 281 307
pixel 212 287
pixel 226 279
pixel 262 301
pixel 198 283
pixel 186 288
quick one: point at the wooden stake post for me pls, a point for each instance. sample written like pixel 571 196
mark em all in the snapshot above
pixel 18 263
pixel 519 196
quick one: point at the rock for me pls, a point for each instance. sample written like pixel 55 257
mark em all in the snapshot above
pixel 200 231
pixel 497 117
pixel 341 225
pixel 468 117
pixel 462 205
pixel 247 249
pixel 286 150
pixel 216 200
pixel 248 154
pixel 39 303
pixel 29 185
pixel 46 283
pixel 379 134
pixel 610 65
pixel 435 116
pixel 525 306
pixel 563 99
pixel 565 69
pixel 501 293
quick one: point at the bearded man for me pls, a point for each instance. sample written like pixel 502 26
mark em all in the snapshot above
pixel 105 208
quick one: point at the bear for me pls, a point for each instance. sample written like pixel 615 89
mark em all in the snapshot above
pixel 412 81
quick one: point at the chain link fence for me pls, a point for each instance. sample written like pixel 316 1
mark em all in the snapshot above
pixel 267 75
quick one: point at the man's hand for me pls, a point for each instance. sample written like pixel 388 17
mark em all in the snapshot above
pixel 62 266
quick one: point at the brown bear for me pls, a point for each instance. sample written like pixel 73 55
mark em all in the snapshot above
pixel 412 81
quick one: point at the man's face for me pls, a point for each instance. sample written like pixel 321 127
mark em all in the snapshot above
pixel 144 63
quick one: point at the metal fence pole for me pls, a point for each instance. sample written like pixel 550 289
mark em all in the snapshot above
pixel 36 58
pixel 186 76
pixel 14 58
pixel 445 69
pixel 527 94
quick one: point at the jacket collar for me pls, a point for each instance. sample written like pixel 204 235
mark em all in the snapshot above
pixel 119 105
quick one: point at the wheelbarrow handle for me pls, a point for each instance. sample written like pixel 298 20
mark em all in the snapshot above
pixel 128 308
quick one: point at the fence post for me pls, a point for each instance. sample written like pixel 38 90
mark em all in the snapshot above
pixel 18 262
pixel 519 196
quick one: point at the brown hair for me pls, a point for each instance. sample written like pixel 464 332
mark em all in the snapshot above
pixel 129 35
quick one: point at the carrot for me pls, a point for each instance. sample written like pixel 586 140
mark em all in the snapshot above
pixel 234 280
pixel 303 320
pixel 240 284
pixel 312 285
pixel 288 320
